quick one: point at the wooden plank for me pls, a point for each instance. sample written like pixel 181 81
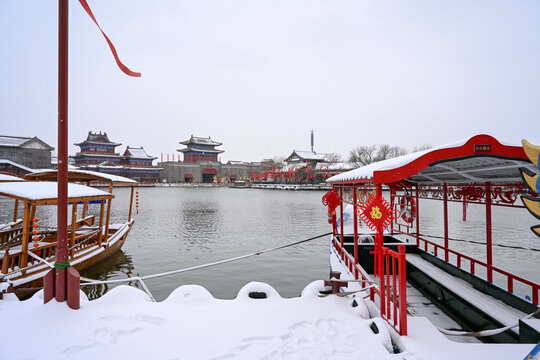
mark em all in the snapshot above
pixel 73 227
pixel 16 210
pixel 102 207
pixel 25 235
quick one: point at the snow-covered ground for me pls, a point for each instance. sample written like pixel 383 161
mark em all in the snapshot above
pixel 192 324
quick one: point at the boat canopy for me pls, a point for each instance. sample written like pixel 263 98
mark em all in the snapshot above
pixel 480 159
pixel 6 178
pixel 45 193
pixel 81 176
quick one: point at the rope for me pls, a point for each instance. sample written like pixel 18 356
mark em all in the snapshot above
pixel 97 282
pixel 489 332
pixel 474 242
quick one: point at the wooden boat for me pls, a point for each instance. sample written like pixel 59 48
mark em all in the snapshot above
pixel 27 248
pixel 378 239
pixel 240 184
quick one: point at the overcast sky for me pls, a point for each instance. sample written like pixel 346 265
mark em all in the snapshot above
pixel 259 75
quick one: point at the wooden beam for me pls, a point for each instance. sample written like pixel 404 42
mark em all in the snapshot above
pixel 85 207
pixel 131 203
pixel 102 208
pixel 25 236
pixel 107 220
pixel 16 210
pixel 73 227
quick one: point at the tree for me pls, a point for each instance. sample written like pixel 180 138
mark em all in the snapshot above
pixel 332 158
pixel 422 147
pixel 362 155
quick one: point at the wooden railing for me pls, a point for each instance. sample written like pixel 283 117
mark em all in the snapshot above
pixel 392 289
pixel 10 262
pixel 510 278
pixel 9 234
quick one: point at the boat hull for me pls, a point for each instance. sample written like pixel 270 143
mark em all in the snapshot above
pixel 94 256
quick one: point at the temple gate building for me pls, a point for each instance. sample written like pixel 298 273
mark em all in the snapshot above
pixel 201 164
pixel 98 153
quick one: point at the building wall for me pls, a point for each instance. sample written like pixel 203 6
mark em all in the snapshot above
pixel 32 158
pixel 175 171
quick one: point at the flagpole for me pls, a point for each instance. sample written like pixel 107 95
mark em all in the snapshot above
pixel 62 250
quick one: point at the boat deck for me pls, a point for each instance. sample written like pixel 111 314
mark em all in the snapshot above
pixel 495 309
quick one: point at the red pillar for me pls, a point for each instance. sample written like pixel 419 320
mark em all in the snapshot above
pixel 445 204
pixel 341 222
pixel 62 250
pixel 489 254
pixel 355 219
pixel 417 214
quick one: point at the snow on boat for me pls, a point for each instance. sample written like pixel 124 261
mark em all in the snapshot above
pixel 27 250
pixel 380 242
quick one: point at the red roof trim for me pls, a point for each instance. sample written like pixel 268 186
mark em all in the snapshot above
pixel 209 171
pixel 467 149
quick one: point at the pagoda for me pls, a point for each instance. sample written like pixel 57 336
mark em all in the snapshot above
pixel 97 149
pixel 98 154
pixel 200 149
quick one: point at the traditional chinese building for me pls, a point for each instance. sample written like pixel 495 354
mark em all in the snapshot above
pixel 98 153
pixel 201 164
pixel 97 149
pixel 29 152
pixel 200 149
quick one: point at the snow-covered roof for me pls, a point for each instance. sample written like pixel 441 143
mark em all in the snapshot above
pixel 98 139
pixel 200 140
pixel 6 178
pixel 19 141
pixel 81 175
pixel 34 191
pixel 12 163
pixel 137 152
pixel 305 156
pixel 478 159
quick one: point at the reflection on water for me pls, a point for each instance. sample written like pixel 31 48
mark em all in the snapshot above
pixel 117 266
pixel 183 227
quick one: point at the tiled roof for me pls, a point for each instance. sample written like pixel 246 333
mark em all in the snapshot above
pixel 198 149
pixel 138 153
pixel 18 141
pixel 98 138
pixel 201 141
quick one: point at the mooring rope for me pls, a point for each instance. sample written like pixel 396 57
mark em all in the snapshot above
pixel 489 332
pixel 473 242
pixel 172 272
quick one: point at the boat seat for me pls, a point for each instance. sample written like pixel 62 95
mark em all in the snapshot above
pixel 492 307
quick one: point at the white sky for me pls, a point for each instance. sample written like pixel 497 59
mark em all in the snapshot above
pixel 259 75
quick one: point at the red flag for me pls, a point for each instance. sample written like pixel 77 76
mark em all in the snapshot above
pixel 122 67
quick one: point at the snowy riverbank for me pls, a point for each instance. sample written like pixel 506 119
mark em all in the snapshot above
pixel 192 324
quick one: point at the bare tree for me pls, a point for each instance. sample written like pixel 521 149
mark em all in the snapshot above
pixel 396 151
pixel 332 158
pixel 362 155
pixel 383 152
pixel 422 147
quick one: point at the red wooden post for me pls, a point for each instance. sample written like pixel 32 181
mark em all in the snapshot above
pixel 48 286
pixel 355 219
pixel 341 222
pixel 417 215
pixel 73 288
pixel 402 263
pixel 392 195
pixel 488 233
pixel 445 205
pixel 62 250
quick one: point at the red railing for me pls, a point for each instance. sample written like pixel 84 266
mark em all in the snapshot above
pixel 394 288
pixel 535 288
pixel 392 291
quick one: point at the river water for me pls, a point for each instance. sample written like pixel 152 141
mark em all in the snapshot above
pixel 180 227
